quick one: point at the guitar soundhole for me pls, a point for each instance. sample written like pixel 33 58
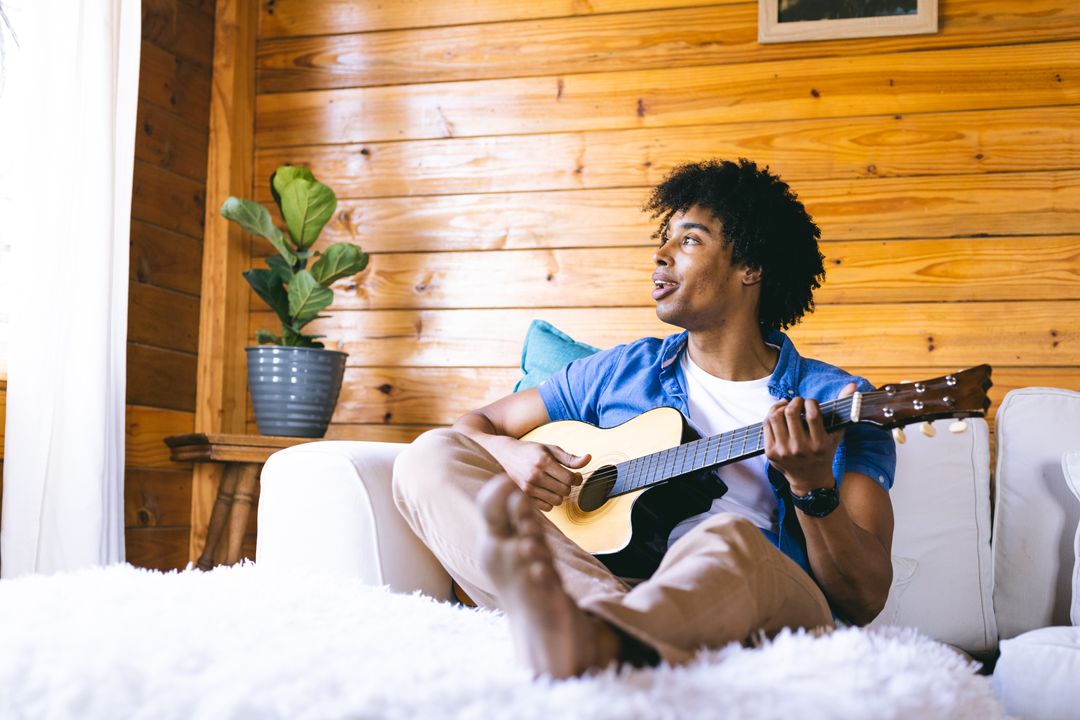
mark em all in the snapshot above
pixel 594 492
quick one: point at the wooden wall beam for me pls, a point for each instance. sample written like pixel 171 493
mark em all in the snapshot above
pixel 806 149
pixel 221 390
pixel 937 270
pixel 981 78
pixel 303 17
pixel 909 334
pixel 1015 203
pixel 720 34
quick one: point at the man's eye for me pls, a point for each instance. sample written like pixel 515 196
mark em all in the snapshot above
pixel 690 240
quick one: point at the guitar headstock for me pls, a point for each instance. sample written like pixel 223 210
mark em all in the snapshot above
pixel 961 394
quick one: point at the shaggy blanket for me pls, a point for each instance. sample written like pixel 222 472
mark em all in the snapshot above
pixel 120 642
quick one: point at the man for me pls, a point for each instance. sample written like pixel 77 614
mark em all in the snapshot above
pixel 802 534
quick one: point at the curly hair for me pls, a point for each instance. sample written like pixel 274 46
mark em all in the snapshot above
pixel 764 223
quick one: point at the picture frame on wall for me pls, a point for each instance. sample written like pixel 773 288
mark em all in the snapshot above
pixel 802 20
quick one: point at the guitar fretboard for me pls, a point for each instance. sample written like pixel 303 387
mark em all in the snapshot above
pixel 723 449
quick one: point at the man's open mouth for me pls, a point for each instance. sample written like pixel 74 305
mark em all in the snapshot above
pixel 663 288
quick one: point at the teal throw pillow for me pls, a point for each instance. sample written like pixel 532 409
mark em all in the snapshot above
pixel 547 349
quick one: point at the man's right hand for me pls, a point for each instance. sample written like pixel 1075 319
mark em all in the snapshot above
pixel 545 473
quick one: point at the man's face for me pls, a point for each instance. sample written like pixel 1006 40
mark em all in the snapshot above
pixel 695 285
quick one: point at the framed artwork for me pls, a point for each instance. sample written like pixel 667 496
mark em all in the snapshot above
pixel 796 20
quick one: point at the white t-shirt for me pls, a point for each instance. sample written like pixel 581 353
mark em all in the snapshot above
pixel 717 406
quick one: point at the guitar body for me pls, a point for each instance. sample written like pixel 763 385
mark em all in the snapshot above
pixel 628 533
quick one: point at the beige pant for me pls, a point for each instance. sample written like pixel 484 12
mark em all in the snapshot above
pixel 721 582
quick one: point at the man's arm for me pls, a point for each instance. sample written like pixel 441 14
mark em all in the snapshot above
pixel 850 548
pixel 539 470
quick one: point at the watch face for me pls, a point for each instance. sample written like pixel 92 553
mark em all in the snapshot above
pixel 818 503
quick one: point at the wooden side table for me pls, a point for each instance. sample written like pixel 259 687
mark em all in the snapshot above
pixel 243 457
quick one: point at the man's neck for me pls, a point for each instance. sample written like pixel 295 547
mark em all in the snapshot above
pixel 732 353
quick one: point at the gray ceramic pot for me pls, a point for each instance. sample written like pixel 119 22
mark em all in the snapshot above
pixel 294 390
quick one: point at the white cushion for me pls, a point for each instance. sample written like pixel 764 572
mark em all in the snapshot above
pixel 328 507
pixel 1037 676
pixel 1035 514
pixel 942 578
pixel 1070 465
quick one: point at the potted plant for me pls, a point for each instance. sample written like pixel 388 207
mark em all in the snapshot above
pixel 294 381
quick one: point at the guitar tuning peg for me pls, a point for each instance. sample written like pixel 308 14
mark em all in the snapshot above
pixel 899 436
pixel 958 427
pixel 928 429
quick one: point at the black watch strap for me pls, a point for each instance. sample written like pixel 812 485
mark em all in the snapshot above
pixel 819 502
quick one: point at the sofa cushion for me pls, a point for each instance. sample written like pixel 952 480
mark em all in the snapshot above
pixel 1035 514
pixel 942 578
pixel 1070 465
pixel 547 349
pixel 1035 677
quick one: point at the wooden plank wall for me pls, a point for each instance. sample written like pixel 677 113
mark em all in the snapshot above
pixel 166 262
pixel 492 156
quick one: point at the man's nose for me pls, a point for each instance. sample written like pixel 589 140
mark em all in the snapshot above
pixel 660 257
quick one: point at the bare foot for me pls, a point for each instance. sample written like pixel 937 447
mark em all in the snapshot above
pixel 551 633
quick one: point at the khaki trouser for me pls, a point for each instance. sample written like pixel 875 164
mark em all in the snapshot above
pixel 721 582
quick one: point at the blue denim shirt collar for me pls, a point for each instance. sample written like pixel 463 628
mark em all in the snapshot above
pixel 782 384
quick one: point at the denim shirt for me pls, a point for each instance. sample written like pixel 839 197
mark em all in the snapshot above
pixel 616 385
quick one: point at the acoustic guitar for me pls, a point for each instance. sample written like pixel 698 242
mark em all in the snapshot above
pixel 650 473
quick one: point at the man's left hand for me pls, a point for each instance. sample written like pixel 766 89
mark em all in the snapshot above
pixel 800 447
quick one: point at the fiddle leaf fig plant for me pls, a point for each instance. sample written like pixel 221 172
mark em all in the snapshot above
pixel 294 292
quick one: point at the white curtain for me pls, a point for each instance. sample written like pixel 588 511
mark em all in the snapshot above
pixel 68 113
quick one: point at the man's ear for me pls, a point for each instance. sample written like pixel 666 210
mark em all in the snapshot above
pixel 751 276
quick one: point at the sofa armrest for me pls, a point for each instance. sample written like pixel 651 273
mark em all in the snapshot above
pixel 329 507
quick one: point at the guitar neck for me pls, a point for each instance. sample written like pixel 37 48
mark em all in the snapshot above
pixel 723 449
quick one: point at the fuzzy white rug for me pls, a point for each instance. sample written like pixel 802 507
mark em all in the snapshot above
pixel 240 643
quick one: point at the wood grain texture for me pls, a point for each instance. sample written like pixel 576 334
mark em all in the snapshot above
pixel 811 149
pixel 418 395
pixel 931 334
pixel 222 388
pixel 160 378
pixel 657 39
pixel 168 200
pixel 163 318
pixel 179 28
pixel 157 548
pixel 991 268
pixel 1034 75
pixel 1021 203
pixel 157 498
pixel 165 259
pixel 175 84
pixel 300 17
pixel 164 140
pixel 146 430
pixel 377 433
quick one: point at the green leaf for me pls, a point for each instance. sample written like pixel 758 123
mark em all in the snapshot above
pixel 340 260
pixel 280 268
pixel 307 206
pixel 296 338
pixel 265 337
pixel 254 218
pixel 307 298
pixel 268 286
pixel 285 175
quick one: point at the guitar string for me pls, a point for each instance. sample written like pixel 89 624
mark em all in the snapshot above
pixel 608 476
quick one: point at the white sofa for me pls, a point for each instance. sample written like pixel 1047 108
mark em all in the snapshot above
pixel 986 582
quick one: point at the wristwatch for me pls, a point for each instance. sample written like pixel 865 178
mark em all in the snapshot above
pixel 819 502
